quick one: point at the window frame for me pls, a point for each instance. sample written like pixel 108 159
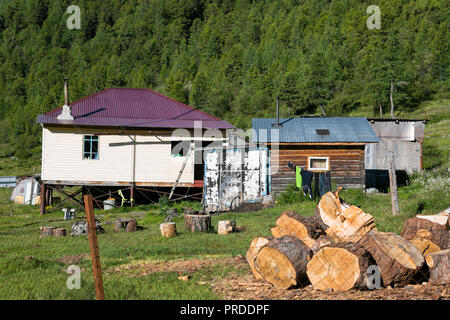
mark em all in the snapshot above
pixel 91 152
pixel 184 150
pixel 318 169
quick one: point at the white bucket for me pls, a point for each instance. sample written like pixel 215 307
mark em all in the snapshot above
pixel 109 204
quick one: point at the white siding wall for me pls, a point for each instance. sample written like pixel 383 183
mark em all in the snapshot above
pixel 62 159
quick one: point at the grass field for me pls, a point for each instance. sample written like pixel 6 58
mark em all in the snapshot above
pixel 34 268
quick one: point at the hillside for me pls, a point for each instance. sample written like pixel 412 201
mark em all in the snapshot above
pixel 232 59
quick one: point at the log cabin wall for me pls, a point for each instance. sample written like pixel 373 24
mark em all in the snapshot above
pixel 346 164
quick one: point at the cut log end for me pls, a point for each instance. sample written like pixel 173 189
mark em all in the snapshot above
pixel 339 267
pixel 282 262
pixel 253 251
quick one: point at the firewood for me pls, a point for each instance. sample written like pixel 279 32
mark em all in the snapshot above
pixel 397 259
pixel 168 230
pixel 431 228
pixel 339 267
pixel 59 232
pixel 282 262
pixel 342 222
pixel 438 264
pixel 197 223
pixel 253 251
pixel 322 241
pixel 424 245
pixel 225 227
pixel 47 231
pixel 301 227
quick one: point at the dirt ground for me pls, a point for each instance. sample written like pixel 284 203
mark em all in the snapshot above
pixel 245 287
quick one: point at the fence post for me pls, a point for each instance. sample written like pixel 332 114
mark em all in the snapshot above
pixel 95 256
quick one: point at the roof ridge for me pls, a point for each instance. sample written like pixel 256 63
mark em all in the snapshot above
pixel 183 104
pixel 81 99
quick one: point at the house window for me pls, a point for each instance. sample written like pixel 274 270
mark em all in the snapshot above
pixel 318 163
pixel 90 147
pixel 180 148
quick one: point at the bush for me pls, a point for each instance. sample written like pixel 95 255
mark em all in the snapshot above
pixel 430 188
pixel 291 195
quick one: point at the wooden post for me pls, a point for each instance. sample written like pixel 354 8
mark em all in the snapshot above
pixel 43 203
pixel 393 183
pixel 92 233
pixel 132 195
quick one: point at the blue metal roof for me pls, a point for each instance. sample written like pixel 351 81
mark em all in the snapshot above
pixel 303 130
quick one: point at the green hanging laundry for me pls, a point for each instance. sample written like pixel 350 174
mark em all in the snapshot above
pixel 298 177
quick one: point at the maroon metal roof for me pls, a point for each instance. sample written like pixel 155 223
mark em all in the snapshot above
pixel 133 108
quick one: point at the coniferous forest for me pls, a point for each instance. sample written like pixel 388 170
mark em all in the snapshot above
pixel 232 59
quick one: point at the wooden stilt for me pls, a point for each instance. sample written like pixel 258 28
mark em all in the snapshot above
pixel 43 198
pixel 132 196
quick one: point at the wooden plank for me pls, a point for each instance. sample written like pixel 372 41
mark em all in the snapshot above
pixel 114 183
pixel 95 256
pixel 393 185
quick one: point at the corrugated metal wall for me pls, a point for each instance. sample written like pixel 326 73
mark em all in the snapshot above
pixel 228 179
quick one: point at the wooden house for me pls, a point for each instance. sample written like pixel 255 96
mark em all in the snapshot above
pixel 127 139
pixel 315 144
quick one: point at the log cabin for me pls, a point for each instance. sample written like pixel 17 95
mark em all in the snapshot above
pixel 335 144
pixel 123 138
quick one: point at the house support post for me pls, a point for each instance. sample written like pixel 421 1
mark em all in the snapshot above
pixel 43 198
pixel 132 195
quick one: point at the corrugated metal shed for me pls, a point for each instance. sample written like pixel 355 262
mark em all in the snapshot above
pixel 314 130
pixel 7 182
pixel 133 108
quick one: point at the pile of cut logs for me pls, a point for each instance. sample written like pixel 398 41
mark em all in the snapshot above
pixel 339 248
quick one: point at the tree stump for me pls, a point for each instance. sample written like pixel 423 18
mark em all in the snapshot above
pixel 168 230
pixel 59 232
pixel 47 231
pixel 432 228
pixel 282 262
pixel 301 227
pixel 397 259
pixel 197 223
pixel 131 226
pixel 342 222
pixel 119 225
pixel 438 263
pixel 253 251
pixel 339 267
pixel 225 227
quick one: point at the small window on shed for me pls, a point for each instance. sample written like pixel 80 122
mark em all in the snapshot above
pixel 318 163
pixel 180 148
pixel 90 147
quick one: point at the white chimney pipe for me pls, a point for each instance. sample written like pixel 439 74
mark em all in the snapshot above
pixel 66 113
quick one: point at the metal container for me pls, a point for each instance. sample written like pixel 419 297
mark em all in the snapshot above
pixel 109 204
